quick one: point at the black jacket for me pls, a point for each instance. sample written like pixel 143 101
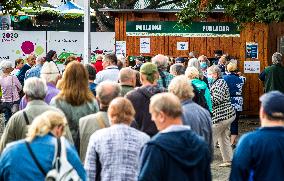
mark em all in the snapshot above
pixel 140 99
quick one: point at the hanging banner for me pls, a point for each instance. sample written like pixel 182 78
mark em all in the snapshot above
pixel 120 48
pixel 172 28
pixel 182 45
pixel 252 67
pixel 145 45
pixel 19 44
pixel 251 50
pixel 72 43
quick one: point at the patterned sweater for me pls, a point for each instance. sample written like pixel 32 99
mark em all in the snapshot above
pixel 220 96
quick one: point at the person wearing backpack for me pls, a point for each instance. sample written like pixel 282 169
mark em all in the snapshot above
pixel 201 91
pixel 34 157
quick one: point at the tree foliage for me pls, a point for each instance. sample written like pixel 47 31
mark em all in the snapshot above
pixel 106 23
pixel 13 6
pixel 263 11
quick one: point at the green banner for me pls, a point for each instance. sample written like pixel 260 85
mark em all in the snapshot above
pixel 172 28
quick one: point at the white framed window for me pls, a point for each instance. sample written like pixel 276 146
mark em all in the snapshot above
pixel 280 44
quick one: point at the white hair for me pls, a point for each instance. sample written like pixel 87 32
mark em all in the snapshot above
pixel 49 72
pixel 161 61
pixel 6 64
pixel 192 73
pixel 35 88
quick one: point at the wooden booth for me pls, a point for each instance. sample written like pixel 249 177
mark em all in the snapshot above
pixel 149 32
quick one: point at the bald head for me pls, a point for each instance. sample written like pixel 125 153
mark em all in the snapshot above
pixel 106 92
pixel 127 76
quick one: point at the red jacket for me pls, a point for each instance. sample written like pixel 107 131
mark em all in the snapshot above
pixel 99 65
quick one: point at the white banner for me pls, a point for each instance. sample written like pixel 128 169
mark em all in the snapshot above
pixel 120 48
pixel 72 43
pixel 19 44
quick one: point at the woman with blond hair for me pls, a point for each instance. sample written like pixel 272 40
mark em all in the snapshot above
pixel 75 98
pixel 117 148
pixel 200 87
pixel 235 83
pixel 17 162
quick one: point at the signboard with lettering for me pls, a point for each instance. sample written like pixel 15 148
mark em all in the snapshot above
pixel 120 48
pixel 19 44
pixel 251 50
pixel 172 28
pixel 252 67
pixel 145 45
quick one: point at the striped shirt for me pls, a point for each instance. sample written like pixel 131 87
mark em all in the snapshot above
pixel 118 148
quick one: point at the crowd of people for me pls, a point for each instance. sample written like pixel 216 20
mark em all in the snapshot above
pixel 156 120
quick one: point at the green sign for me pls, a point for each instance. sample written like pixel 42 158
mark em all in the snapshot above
pixel 172 28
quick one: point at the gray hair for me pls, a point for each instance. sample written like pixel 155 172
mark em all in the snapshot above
pixel 6 64
pixel 181 87
pixel 106 91
pixel 277 58
pixel 35 88
pixel 170 106
pixel 215 69
pixel 126 74
pixel 177 69
pixel 194 62
pixel 49 72
pixel 161 61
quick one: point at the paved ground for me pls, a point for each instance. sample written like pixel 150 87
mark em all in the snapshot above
pixel 222 173
pixel 218 173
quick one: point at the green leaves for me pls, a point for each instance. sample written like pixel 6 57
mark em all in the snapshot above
pixel 264 11
pixel 13 6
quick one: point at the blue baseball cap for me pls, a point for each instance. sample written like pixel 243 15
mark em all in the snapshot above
pixel 180 60
pixel 273 104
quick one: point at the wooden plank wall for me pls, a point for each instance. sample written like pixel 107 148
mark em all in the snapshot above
pixel 233 46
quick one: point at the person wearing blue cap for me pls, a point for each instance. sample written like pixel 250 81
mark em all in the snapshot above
pixel 260 154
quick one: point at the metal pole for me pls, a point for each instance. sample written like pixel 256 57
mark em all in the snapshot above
pixel 87 32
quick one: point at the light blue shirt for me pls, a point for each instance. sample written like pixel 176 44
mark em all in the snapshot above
pixel 16 162
pixel 109 73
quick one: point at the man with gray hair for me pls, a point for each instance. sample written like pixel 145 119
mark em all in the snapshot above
pixel 176 153
pixel 273 76
pixel 35 71
pixel 198 118
pixel 105 92
pixel 35 90
pixel 162 63
pixel 127 80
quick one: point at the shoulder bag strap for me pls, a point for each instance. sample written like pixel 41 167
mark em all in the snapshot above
pixel 26 117
pixel 34 158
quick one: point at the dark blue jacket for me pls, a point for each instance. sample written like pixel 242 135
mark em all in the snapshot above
pixel 22 73
pixel 260 156
pixel 178 155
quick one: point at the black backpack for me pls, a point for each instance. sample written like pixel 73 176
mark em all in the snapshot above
pixel 199 97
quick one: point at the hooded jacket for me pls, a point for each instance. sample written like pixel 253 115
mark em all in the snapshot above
pixel 201 85
pixel 140 98
pixel 175 155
